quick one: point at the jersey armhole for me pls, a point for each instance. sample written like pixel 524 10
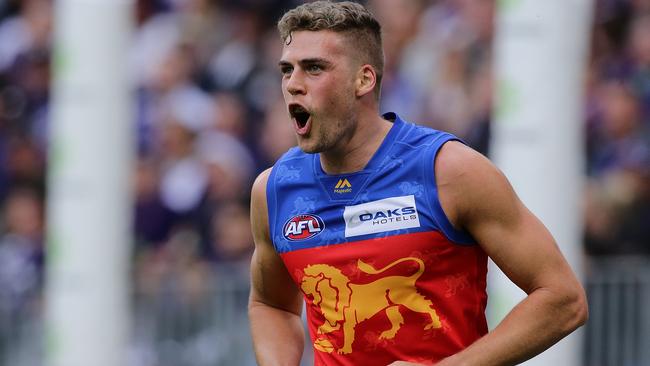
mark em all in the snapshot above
pixel 271 204
pixel 460 237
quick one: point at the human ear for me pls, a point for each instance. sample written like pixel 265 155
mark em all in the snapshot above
pixel 366 80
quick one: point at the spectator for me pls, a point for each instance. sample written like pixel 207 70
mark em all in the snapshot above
pixel 21 251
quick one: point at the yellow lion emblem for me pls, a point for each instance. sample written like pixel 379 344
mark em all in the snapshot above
pixel 347 304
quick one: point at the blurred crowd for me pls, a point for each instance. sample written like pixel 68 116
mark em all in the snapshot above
pixel 210 117
pixel 617 194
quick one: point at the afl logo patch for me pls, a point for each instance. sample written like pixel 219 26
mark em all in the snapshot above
pixel 301 227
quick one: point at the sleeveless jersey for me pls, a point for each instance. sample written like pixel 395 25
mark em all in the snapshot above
pixel 384 274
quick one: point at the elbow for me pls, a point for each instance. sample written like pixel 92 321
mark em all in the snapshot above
pixel 577 309
pixel 584 308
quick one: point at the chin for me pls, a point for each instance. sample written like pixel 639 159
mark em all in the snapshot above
pixel 308 148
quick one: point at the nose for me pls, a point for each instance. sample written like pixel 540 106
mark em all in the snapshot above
pixel 295 84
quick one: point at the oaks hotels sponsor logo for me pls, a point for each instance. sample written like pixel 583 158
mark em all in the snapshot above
pixel 387 214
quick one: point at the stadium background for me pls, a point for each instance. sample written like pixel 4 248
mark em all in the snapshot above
pixel 210 116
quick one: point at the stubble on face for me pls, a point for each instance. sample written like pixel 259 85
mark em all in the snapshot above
pixel 333 126
pixel 330 97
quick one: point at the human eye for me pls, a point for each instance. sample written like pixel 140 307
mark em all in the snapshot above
pixel 286 70
pixel 314 68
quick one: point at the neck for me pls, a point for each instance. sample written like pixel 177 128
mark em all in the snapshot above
pixel 355 153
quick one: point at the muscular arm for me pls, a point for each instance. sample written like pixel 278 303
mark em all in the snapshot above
pixel 275 303
pixel 477 197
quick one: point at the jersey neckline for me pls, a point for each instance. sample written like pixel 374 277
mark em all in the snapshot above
pixel 378 155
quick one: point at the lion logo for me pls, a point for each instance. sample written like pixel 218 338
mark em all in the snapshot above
pixel 345 304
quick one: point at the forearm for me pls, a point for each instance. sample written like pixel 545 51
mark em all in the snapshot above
pixel 539 321
pixel 278 335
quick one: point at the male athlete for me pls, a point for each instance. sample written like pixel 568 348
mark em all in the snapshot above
pixel 383 228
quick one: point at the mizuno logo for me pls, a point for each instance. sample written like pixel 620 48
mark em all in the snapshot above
pixel 343 186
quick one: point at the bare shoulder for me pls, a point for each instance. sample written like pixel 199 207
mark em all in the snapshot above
pixel 259 185
pixel 259 212
pixel 462 164
pixel 470 186
pixel 483 203
pixel 271 284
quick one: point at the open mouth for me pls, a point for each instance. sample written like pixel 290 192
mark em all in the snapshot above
pixel 300 115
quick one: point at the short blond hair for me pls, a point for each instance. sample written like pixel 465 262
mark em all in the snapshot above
pixel 351 19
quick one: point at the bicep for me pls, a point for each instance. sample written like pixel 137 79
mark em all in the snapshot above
pixel 271 284
pixel 484 203
pixel 516 240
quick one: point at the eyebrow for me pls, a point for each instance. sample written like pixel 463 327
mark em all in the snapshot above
pixel 306 61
